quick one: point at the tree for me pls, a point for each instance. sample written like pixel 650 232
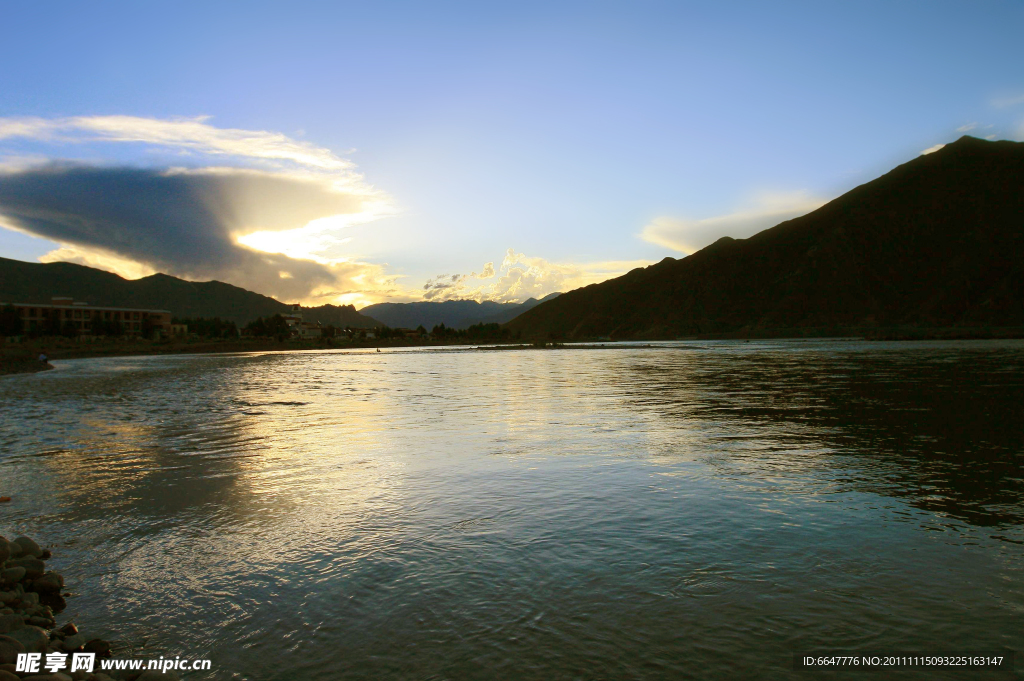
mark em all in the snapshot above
pixel 10 321
pixel 213 328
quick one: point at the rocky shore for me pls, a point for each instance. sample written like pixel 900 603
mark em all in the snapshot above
pixel 30 601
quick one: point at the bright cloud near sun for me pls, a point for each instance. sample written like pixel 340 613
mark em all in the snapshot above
pixel 521 277
pixel 764 211
pixel 253 208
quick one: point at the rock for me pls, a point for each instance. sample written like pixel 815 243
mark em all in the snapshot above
pixel 9 649
pixel 8 667
pixel 15 549
pixel 98 646
pixel 8 676
pixel 9 623
pixel 51 581
pixel 12 574
pixel 29 599
pixel 34 639
pixel 29 547
pixel 74 642
pixel 61 676
pixel 69 629
pixel 34 568
pixel 54 601
pixel 41 622
pixel 5 552
pixel 47 555
pixel 8 597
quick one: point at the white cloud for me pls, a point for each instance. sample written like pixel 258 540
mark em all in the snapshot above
pixel 932 150
pixel 967 128
pixel 257 209
pixel 1003 102
pixel 94 257
pixel 191 134
pixel 521 277
pixel 767 210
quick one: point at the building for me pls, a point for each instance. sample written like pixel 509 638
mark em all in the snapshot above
pixel 62 311
pixel 299 328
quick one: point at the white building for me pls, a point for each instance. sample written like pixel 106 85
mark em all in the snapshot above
pixel 300 328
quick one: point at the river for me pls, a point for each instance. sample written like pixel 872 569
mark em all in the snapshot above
pixel 683 510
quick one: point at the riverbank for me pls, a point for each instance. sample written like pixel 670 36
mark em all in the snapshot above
pixel 23 357
pixel 30 600
pixel 21 362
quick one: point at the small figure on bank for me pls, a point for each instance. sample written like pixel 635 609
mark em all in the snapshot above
pixel 42 357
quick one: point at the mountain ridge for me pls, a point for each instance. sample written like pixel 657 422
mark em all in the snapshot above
pixel 936 242
pixel 26 282
pixel 456 314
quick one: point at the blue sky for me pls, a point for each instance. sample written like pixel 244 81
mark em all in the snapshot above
pixel 588 138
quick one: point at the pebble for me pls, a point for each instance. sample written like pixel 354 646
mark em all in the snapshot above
pixel 9 649
pixel 27 623
pixel 13 574
pixel 51 581
pixel 34 568
pixel 33 638
pixel 29 547
pixel 98 646
pixel 74 642
pixel 9 623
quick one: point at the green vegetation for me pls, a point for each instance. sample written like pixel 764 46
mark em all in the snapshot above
pixel 208 328
pixel 476 332
pixel 271 327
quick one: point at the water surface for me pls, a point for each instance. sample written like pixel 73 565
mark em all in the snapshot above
pixel 688 510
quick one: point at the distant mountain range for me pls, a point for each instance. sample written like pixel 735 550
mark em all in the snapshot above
pixel 25 282
pixel 457 314
pixel 937 242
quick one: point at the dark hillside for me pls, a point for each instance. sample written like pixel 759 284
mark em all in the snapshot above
pixel 937 242
pixel 25 282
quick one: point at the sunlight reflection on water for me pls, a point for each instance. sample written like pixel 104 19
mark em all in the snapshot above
pixel 687 509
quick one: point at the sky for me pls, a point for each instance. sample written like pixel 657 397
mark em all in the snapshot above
pixel 354 153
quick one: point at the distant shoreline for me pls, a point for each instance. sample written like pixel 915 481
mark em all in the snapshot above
pixel 23 358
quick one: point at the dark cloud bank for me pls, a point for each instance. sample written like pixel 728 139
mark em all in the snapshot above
pixel 177 222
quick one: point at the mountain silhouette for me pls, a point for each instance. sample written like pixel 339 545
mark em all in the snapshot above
pixel 455 314
pixel 26 282
pixel 938 242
